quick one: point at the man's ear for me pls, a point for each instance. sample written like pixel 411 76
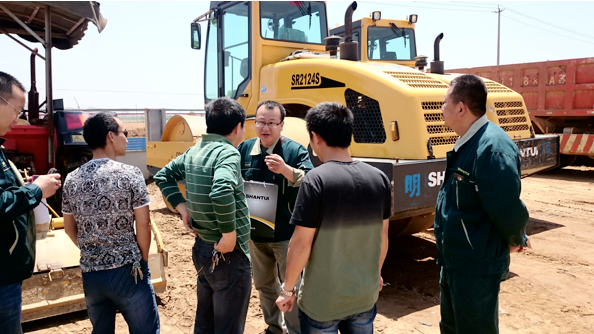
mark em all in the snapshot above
pixel 316 138
pixel 109 137
pixel 238 128
pixel 463 109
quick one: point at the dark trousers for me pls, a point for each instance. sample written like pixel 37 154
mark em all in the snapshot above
pixel 10 309
pixel 224 294
pixel 109 290
pixel 360 323
pixel 469 304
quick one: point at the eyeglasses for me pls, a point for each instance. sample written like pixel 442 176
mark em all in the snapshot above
pixel 19 112
pixel 125 132
pixel 271 125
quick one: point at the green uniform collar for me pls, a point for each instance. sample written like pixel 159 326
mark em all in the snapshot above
pixel 256 150
pixel 215 137
pixel 477 125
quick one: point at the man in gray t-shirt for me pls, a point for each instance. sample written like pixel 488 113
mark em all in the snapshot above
pixel 101 201
pixel 344 205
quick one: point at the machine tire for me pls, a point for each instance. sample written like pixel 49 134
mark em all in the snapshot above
pixel 587 160
pixel 566 160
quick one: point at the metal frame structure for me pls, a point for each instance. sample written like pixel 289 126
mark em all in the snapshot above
pixel 72 19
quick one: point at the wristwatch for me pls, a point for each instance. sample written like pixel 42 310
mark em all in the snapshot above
pixel 285 292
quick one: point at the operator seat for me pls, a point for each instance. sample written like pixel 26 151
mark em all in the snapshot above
pixel 243 68
pixel 290 34
pixel 389 56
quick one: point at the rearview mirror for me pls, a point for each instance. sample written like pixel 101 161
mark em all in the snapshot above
pixel 196 34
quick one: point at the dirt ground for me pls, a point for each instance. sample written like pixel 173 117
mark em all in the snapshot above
pixel 550 289
pixel 137 129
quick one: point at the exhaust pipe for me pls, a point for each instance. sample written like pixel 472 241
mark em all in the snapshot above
pixel 349 50
pixel 33 106
pixel 348 22
pixel 437 66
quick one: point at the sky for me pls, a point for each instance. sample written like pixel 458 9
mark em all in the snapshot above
pixel 143 57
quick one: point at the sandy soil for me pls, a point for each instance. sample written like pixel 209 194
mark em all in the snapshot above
pixel 550 289
pixel 137 129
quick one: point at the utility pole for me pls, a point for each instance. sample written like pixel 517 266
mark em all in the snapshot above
pixel 499 10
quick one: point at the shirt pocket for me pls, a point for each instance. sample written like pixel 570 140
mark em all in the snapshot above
pixel 465 191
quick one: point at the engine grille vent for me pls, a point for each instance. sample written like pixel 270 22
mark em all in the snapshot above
pixel 436 141
pixel 431 105
pixel 434 117
pixel 432 129
pixel 518 127
pixel 417 80
pixel 512 104
pixel 505 114
pixel 368 124
pixel 493 88
pixel 508 120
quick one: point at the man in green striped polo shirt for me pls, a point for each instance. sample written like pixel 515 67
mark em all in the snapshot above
pixel 216 213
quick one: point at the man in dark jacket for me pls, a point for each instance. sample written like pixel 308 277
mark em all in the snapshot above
pixel 272 158
pixel 479 217
pixel 17 201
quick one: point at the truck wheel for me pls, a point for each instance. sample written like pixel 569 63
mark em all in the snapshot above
pixel 587 160
pixel 566 160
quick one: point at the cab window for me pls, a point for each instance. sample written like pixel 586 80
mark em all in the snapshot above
pixel 391 43
pixel 294 21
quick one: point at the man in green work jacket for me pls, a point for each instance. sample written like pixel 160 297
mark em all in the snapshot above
pixel 479 217
pixel 273 158
pixel 17 201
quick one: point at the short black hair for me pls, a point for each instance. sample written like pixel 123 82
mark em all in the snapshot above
pixel 6 83
pixel 222 116
pixel 331 121
pixel 97 127
pixel 271 105
pixel 470 90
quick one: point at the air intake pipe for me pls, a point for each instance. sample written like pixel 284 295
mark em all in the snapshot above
pixel 33 108
pixel 437 65
pixel 349 50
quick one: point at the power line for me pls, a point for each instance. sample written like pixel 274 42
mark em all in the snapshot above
pixel 451 4
pixel 391 4
pixel 477 3
pixel 550 24
pixel 546 30
pixel 486 11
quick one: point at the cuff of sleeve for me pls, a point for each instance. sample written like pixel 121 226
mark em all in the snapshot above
pixel 35 194
pixel 298 175
pixel 227 227
pixel 175 199
pixel 525 241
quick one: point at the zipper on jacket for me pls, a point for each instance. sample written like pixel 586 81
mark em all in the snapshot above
pixel 458 201
pixel 466 232
pixel 16 239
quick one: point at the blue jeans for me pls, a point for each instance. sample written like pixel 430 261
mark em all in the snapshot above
pixel 360 323
pixel 469 304
pixel 10 309
pixel 109 290
pixel 224 294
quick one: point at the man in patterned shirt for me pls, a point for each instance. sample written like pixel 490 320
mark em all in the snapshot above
pixel 216 214
pixel 101 201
